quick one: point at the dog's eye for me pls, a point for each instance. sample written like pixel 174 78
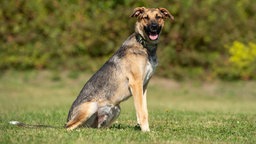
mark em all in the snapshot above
pixel 146 17
pixel 158 17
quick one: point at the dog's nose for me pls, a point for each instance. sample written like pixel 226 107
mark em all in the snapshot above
pixel 153 26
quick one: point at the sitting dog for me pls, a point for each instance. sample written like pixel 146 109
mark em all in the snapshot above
pixel 125 74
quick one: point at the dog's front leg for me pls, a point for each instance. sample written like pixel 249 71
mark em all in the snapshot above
pixel 140 104
pixel 145 100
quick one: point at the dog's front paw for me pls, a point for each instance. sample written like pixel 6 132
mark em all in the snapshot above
pixel 144 128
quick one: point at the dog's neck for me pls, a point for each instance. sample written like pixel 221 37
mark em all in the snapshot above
pixel 149 46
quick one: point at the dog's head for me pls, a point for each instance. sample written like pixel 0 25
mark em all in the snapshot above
pixel 150 22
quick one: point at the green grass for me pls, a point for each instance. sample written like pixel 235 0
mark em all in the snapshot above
pixel 179 112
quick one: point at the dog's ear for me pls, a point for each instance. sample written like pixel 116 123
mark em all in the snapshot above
pixel 138 11
pixel 166 13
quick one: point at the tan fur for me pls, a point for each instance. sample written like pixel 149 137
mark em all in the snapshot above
pixel 82 113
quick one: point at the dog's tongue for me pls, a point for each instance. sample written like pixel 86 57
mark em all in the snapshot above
pixel 153 37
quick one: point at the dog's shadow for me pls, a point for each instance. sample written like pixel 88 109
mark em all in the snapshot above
pixel 125 127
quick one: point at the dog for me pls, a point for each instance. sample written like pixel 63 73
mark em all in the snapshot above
pixel 125 74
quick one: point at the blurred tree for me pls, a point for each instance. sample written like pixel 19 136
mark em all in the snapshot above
pixel 81 35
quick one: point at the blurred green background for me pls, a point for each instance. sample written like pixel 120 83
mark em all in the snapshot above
pixel 210 39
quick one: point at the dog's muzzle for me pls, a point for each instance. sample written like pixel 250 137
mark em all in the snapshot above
pixel 153 30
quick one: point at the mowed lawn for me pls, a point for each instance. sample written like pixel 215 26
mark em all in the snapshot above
pixel 179 112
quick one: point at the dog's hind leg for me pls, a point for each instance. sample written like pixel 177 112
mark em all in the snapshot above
pixel 107 115
pixel 81 114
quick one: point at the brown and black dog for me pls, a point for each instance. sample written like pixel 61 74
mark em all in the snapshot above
pixel 125 74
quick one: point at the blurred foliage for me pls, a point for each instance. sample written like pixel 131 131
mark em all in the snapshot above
pixel 242 60
pixel 81 35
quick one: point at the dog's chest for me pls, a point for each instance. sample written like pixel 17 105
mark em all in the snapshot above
pixel 150 68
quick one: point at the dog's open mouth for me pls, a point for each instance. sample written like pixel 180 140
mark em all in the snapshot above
pixel 152 32
pixel 153 36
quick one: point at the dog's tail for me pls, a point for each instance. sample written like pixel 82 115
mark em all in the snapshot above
pixel 21 124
